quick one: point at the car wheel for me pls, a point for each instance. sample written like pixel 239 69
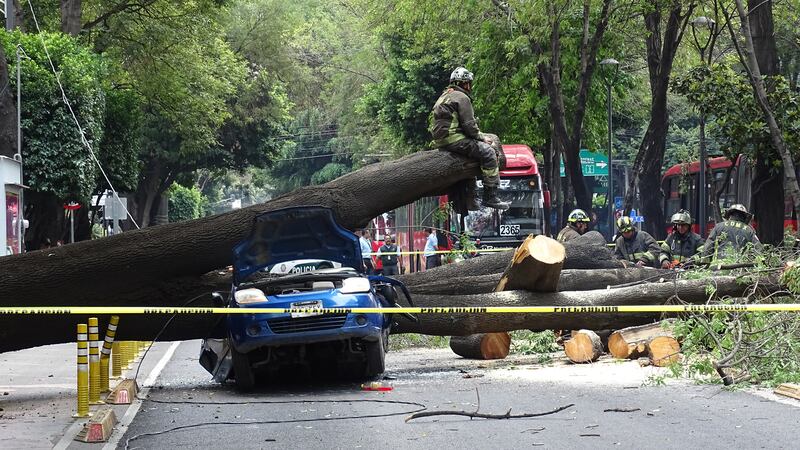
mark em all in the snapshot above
pixel 375 353
pixel 242 371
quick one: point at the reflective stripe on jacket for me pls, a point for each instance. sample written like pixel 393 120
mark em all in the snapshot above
pixel 567 233
pixel 730 237
pixel 641 247
pixel 453 118
pixel 681 248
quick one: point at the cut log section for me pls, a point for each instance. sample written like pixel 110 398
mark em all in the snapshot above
pixel 663 351
pixel 481 346
pixel 535 266
pixel 584 346
pixel 629 343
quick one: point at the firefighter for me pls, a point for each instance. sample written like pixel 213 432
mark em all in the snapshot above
pixel 455 129
pixel 682 244
pixel 577 224
pixel 637 247
pixel 732 236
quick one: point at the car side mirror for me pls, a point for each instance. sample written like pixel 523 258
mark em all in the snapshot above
pixel 218 300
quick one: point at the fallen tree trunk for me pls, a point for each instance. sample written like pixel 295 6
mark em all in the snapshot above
pixel 689 291
pixel 121 266
pixel 570 280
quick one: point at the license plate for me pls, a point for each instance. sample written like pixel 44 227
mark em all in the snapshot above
pixel 509 230
pixel 310 304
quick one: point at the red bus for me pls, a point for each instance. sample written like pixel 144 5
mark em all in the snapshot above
pixel 680 186
pixel 520 185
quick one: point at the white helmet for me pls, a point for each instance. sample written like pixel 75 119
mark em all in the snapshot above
pixel 461 74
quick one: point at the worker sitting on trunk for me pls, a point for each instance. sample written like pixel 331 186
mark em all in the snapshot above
pixel 455 129
pixel 637 247
pixel 577 224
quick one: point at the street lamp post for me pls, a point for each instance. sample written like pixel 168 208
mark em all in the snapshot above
pixel 610 68
pixel 701 24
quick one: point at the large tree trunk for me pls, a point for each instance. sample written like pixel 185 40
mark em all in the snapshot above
pixel 647 165
pixel 18 332
pixel 690 291
pixel 571 280
pixel 748 58
pixel 8 111
pixel 767 186
pixel 71 17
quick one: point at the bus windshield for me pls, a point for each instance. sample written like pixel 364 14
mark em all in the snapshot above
pixel 524 216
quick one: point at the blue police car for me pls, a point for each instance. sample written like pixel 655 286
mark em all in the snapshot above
pixel 353 344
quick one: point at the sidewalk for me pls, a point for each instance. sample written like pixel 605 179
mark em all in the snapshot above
pixel 38 391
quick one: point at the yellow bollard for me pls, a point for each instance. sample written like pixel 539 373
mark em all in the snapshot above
pixel 128 353
pixel 105 353
pixel 94 361
pixel 83 371
pixel 116 360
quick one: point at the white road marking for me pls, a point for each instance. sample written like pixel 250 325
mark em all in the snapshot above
pixel 130 413
pixel 14 387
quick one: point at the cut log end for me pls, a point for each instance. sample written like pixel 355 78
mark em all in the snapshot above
pixel 663 351
pixel 481 346
pixel 585 346
pixel 631 342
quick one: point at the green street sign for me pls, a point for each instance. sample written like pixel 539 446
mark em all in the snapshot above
pixel 592 164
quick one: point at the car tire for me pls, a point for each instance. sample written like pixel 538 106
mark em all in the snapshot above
pixel 375 353
pixel 243 373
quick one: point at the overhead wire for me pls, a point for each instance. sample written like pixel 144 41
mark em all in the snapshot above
pixel 75 118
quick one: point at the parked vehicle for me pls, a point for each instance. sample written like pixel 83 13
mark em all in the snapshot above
pixel 354 344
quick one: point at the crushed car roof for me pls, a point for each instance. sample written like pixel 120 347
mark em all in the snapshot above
pixel 304 232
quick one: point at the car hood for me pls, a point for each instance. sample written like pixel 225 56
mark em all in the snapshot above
pixel 307 232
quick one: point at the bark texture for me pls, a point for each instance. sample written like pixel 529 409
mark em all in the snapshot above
pixel 630 342
pixel 661 50
pixel 71 17
pixel 767 186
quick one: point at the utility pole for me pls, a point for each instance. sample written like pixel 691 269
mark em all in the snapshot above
pixel 8 13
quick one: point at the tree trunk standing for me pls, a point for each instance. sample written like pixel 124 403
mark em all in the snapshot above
pixel 71 17
pixel 8 110
pixel 650 157
pixel 45 213
pixel 748 59
pixel 767 201
pixel 155 179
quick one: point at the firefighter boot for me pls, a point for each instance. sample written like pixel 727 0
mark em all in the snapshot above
pixel 491 200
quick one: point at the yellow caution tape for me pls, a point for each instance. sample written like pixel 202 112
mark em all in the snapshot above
pixel 477 250
pixel 62 310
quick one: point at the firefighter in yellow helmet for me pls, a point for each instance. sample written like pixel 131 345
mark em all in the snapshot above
pixel 577 224
pixel 635 246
